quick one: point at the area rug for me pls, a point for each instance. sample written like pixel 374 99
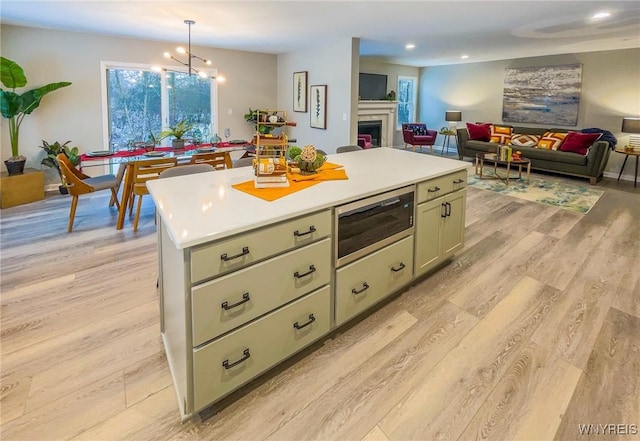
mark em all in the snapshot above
pixel 572 197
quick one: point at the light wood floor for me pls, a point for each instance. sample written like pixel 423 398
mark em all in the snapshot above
pixel 529 331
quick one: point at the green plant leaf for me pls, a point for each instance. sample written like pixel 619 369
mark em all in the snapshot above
pixel 10 103
pixel 11 74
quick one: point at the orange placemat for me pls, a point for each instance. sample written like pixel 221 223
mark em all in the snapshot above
pixel 297 182
pixel 271 194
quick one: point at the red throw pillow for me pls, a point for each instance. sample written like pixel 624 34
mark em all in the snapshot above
pixel 479 132
pixel 577 142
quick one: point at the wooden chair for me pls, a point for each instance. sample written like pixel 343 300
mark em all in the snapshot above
pixel 78 183
pixel 144 171
pixel 219 160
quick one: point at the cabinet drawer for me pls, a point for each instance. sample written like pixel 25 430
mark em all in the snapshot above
pixel 437 187
pixel 227 302
pixel 368 280
pixel 227 363
pixel 231 254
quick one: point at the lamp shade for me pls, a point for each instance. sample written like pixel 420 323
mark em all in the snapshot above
pixel 453 115
pixel 631 125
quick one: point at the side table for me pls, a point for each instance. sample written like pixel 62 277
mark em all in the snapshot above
pixel 445 143
pixel 629 152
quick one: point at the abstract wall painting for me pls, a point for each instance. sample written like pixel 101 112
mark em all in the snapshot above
pixel 542 95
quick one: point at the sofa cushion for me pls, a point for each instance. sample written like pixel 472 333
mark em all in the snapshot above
pixel 479 132
pixel 532 130
pixel 551 140
pixel 523 140
pixel 500 134
pixel 576 142
pixel 538 154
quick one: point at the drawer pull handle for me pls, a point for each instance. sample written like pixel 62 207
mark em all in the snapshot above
pixel 436 188
pixel 245 298
pixel 312 269
pixel 312 229
pixel 299 326
pixel 400 267
pixel 246 356
pixel 224 257
pixel 365 286
pixel 458 181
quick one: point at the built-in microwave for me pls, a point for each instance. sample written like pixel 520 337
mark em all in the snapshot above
pixel 372 223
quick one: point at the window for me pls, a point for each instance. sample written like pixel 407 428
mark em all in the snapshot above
pixel 139 102
pixel 407 94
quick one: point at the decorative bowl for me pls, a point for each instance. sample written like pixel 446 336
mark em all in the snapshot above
pixel 311 167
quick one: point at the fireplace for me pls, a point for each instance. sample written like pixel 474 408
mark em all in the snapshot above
pixel 377 112
pixel 373 128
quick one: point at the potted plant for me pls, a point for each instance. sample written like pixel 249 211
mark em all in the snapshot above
pixel 178 131
pixel 52 151
pixel 15 107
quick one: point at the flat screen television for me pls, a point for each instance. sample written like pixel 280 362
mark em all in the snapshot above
pixel 372 86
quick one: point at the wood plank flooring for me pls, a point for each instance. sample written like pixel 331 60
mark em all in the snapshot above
pixel 530 331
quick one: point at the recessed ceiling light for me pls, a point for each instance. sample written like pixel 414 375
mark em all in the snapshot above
pixel 602 14
pixel 410 46
pixel 464 57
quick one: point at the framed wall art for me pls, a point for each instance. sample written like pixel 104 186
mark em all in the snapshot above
pixel 300 91
pixel 318 106
pixel 542 95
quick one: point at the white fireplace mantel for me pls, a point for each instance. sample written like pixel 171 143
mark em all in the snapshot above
pixel 384 111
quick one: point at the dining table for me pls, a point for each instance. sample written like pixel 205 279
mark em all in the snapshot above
pixel 126 159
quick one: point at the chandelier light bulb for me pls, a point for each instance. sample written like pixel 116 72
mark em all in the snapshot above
pixel 190 57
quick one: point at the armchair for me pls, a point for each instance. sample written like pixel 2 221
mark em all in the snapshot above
pixel 416 134
pixel 364 141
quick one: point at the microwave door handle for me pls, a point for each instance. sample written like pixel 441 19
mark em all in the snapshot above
pixel 388 202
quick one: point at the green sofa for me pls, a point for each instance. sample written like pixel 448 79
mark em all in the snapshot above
pixel 588 166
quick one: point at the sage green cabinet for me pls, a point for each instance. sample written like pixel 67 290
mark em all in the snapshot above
pixel 439 221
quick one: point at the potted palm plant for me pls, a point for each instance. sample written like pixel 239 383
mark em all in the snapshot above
pixel 52 151
pixel 15 106
pixel 181 128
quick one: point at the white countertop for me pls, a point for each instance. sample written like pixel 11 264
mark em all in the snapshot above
pixel 203 207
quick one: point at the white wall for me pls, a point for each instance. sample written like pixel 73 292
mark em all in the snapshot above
pixel 610 91
pixel 75 112
pixel 332 64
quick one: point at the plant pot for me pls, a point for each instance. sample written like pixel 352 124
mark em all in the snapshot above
pixel 63 189
pixel 177 143
pixel 15 166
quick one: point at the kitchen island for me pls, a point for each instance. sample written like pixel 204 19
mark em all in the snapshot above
pixel 246 283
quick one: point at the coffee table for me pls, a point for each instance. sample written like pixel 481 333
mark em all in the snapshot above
pixel 482 157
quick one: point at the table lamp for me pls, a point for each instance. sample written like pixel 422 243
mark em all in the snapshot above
pixel 632 125
pixel 452 116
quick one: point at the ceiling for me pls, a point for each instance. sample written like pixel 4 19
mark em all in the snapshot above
pixel 442 31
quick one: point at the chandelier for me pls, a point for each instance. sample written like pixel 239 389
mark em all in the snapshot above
pixel 190 56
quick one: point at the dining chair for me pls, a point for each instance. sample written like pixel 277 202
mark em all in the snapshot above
pixel 243 162
pixel 187 169
pixel 348 148
pixel 219 160
pixel 77 183
pixel 144 171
